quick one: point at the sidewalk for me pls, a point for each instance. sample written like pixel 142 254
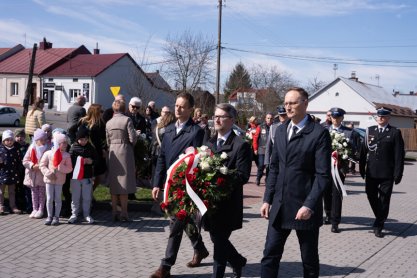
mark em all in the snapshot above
pixel 105 249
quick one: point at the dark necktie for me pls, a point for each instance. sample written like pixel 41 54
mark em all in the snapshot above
pixel 294 131
pixel 381 130
pixel 220 143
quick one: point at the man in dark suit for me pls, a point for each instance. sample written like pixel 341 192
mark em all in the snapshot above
pixel 333 195
pixel 179 136
pixel 381 165
pixel 229 214
pixel 299 173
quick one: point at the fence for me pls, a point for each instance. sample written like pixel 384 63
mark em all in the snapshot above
pixel 410 138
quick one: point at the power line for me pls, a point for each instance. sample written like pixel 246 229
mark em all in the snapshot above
pixel 366 62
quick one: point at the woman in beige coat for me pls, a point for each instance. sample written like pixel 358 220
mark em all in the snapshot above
pixel 35 118
pixel 121 137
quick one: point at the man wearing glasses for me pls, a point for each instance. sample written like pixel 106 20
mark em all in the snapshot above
pixel 229 215
pixel 138 120
pixel 381 165
pixel 298 175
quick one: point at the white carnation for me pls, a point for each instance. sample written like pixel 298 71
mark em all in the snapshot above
pixel 203 148
pixel 224 170
pixel 205 166
pixel 223 155
pixel 344 156
pixel 344 144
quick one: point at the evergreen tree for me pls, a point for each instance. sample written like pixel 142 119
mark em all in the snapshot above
pixel 238 79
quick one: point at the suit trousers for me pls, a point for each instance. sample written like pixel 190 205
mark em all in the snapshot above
pixel 224 252
pixel 176 230
pixel 274 247
pixel 379 193
pixel 333 201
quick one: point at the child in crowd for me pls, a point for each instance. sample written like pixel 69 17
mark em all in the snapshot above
pixel 55 164
pixel 9 176
pixel 23 197
pixel 83 155
pixel 33 176
pixel 48 129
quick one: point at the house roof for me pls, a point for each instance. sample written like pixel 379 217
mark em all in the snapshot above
pixel 6 52
pixel 257 92
pixel 86 65
pixel 45 59
pixel 158 80
pixel 375 95
pixel 408 100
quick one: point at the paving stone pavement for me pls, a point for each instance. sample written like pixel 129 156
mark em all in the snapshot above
pixel 106 249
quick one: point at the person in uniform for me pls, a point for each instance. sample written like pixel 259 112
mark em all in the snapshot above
pixel 333 196
pixel 282 117
pixel 381 165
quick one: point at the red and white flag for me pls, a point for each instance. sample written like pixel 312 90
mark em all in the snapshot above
pixel 78 173
pixel 33 156
pixel 56 157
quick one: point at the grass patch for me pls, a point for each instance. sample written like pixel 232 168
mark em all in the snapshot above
pixel 102 194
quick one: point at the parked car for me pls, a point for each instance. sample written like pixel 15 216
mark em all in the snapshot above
pixel 9 116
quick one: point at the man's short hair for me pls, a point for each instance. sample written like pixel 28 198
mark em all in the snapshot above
pixel 188 97
pixel 300 90
pixel 228 108
pixel 119 106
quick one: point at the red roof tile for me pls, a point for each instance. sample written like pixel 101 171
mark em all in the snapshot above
pixel 86 65
pixel 45 59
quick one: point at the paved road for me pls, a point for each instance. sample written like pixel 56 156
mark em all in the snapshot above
pixel 105 249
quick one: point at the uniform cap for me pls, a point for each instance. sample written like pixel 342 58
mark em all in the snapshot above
pixel 337 112
pixel 383 111
pixel 281 110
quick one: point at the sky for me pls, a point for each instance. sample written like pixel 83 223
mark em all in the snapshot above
pixel 305 38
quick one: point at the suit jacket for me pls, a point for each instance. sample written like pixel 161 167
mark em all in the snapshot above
pixel 229 214
pixel 385 156
pixel 299 173
pixel 173 144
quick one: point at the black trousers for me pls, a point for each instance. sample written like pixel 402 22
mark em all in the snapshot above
pixel 224 252
pixel 176 230
pixel 274 247
pixel 333 198
pixel 379 193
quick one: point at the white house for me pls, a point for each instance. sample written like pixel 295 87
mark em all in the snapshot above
pixel 247 99
pixel 360 101
pixel 93 75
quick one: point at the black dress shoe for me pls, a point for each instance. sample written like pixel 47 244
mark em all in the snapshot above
pixel 335 229
pixel 378 232
pixel 237 271
pixel 327 220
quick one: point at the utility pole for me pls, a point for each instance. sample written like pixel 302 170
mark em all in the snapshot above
pixel 219 46
pixel 29 86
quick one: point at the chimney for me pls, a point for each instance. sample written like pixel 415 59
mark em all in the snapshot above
pixel 96 50
pixel 411 92
pixel 157 71
pixel 353 76
pixel 44 45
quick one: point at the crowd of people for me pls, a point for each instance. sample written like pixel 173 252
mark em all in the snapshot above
pixel 291 147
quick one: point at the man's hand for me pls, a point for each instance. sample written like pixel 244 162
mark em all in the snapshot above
pixel 362 174
pixel 304 213
pixel 397 180
pixel 265 210
pixel 255 152
pixel 155 193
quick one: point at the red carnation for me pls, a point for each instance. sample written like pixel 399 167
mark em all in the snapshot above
pixel 180 194
pixel 220 181
pixel 206 203
pixel 164 206
pixel 181 174
pixel 204 191
pixel 181 203
pixel 207 183
pixel 181 215
pixel 196 170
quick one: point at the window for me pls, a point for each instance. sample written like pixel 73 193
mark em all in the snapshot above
pixel 75 80
pixel 14 89
pixel 74 93
pixel 50 79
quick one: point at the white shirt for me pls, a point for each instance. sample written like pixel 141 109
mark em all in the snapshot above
pixel 300 126
pixel 179 126
pixel 224 137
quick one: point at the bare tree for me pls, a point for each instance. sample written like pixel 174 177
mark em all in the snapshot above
pixel 314 85
pixel 188 60
pixel 275 83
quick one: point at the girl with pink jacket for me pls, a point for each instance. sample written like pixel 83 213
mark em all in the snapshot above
pixel 33 175
pixel 55 164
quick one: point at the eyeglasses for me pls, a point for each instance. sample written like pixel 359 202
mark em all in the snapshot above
pixel 293 103
pixel 136 107
pixel 221 117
